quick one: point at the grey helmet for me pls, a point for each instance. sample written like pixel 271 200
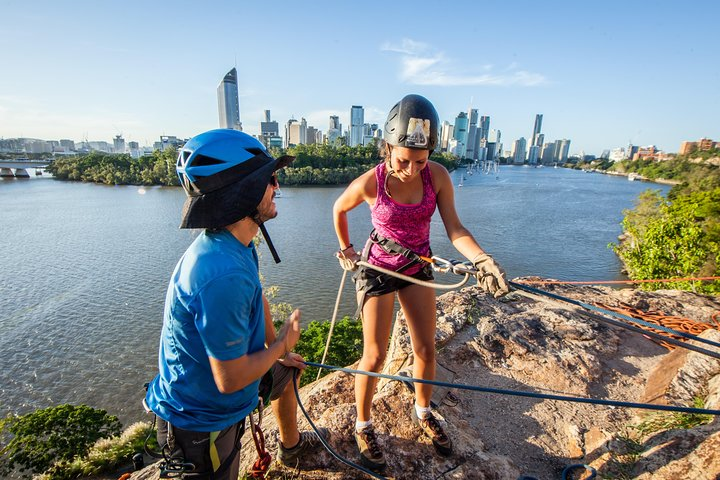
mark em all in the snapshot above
pixel 413 123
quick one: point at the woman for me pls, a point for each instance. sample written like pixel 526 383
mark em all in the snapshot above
pixel 403 192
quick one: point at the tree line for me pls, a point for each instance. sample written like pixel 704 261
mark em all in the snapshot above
pixel 313 165
pixel 677 236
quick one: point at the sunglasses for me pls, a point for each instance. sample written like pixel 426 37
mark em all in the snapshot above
pixel 273 182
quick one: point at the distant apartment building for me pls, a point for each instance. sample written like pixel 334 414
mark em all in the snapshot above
pixel 68 145
pixel 357 122
pixel 460 133
pixel 547 153
pixel 168 141
pixel 617 154
pixel 118 144
pixel 228 102
pixel 296 132
pixel 518 151
pixel 703 144
pixel 533 154
pixel 472 147
pixel 269 132
pixel 649 152
pixel 537 138
pixel 562 150
pixel 446 133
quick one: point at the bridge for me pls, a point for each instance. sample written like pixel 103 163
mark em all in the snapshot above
pixel 19 167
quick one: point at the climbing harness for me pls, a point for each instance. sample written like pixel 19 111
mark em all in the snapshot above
pixel 264 460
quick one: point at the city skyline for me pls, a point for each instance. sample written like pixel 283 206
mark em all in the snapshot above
pixel 602 76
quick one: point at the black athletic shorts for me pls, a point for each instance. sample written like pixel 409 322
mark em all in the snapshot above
pixel 374 284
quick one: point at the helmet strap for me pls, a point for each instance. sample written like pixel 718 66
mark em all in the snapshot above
pixel 266 236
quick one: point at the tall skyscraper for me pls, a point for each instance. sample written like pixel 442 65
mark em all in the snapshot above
pixel 269 132
pixel 357 120
pixel 473 140
pixel 536 141
pixel 562 149
pixel 518 151
pixel 446 134
pixel 228 102
pixel 460 133
pixel 334 130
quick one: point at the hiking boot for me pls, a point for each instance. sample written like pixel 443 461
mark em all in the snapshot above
pixel 370 454
pixel 432 428
pixel 309 441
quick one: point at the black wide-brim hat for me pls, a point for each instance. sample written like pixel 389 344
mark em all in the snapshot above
pixel 233 202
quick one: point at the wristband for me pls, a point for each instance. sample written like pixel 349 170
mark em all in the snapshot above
pixel 347 248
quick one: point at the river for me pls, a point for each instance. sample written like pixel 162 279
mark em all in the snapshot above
pixel 84 267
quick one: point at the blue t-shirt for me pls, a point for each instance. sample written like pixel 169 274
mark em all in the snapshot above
pixel 213 308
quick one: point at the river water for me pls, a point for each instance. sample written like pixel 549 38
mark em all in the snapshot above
pixel 84 268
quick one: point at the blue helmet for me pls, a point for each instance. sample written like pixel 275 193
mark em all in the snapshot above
pixel 225 174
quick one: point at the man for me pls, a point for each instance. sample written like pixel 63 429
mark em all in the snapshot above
pixel 218 339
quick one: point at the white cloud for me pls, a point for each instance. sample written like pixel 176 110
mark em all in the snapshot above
pixel 420 65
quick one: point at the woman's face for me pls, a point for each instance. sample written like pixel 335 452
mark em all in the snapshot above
pixel 408 162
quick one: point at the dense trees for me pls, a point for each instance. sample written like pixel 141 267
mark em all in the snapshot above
pixel 678 236
pixel 313 165
pixel 113 169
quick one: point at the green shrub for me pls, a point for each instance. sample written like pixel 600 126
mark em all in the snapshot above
pixel 345 347
pixel 32 443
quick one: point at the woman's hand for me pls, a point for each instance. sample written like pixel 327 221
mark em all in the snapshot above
pixel 348 258
pixel 490 275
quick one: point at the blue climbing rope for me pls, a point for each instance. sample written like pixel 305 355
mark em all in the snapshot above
pixel 521 393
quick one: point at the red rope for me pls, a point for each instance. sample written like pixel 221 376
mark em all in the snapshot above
pixel 262 464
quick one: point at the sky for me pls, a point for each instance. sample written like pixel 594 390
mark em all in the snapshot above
pixel 603 74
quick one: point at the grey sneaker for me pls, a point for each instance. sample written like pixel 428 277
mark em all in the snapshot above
pixel 309 441
pixel 432 428
pixel 371 455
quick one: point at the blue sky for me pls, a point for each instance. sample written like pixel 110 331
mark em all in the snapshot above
pixel 601 73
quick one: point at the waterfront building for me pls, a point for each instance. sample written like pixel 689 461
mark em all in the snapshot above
pixel 460 133
pixel 118 144
pixel 703 144
pixel 518 152
pixel 547 154
pixel 228 102
pixel 472 144
pixel 537 140
pixel 562 150
pixel 446 133
pixel 533 154
pixel 68 145
pixel 357 120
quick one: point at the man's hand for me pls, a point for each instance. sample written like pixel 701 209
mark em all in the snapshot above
pixel 490 275
pixel 290 332
pixel 348 259
pixel 293 359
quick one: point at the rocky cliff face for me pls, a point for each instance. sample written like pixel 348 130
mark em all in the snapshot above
pixel 531 344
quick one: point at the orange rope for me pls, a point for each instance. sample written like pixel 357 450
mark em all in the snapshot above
pixel 591 282
pixel 674 322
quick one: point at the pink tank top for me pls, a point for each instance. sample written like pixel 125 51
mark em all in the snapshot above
pixel 406 224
